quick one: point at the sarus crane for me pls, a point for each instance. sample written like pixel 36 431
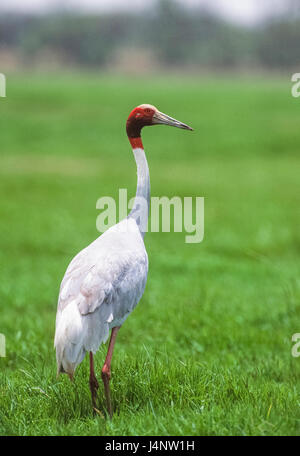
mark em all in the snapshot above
pixel 105 281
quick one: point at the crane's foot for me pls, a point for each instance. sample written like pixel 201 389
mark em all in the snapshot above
pixel 106 380
pixel 97 412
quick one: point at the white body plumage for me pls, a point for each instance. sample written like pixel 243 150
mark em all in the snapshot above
pixel 101 287
pixel 103 283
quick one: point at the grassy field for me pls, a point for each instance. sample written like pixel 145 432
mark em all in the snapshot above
pixel 208 349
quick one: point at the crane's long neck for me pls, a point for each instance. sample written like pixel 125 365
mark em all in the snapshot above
pixel 141 205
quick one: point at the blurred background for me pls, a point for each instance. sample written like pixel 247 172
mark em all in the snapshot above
pixel 142 36
pixel 208 349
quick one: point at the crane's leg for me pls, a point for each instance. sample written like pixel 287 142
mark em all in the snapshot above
pixel 106 368
pixel 94 385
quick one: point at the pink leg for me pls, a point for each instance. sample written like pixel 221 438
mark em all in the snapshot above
pixel 94 385
pixel 106 368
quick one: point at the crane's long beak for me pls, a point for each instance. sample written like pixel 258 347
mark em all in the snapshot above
pixel 163 119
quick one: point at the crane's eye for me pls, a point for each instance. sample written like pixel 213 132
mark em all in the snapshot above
pixel 147 110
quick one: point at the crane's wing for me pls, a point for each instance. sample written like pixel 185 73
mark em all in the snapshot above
pixel 101 279
pixel 85 282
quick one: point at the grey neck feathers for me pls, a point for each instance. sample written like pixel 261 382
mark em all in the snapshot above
pixel 141 205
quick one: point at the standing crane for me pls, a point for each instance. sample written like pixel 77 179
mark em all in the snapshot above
pixel 105 281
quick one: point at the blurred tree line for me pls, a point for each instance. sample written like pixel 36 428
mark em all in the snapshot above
pixel 172 34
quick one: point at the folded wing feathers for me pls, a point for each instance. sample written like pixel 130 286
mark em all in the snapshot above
pixel 83 321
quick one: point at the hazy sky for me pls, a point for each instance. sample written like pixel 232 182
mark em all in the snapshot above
pixel 246 11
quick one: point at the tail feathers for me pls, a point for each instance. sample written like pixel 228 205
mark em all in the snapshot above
pixel 75 335
pixel 68 358
pixel 68 340
pixel 60 370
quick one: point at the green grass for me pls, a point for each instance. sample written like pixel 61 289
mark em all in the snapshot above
pixel 208 349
